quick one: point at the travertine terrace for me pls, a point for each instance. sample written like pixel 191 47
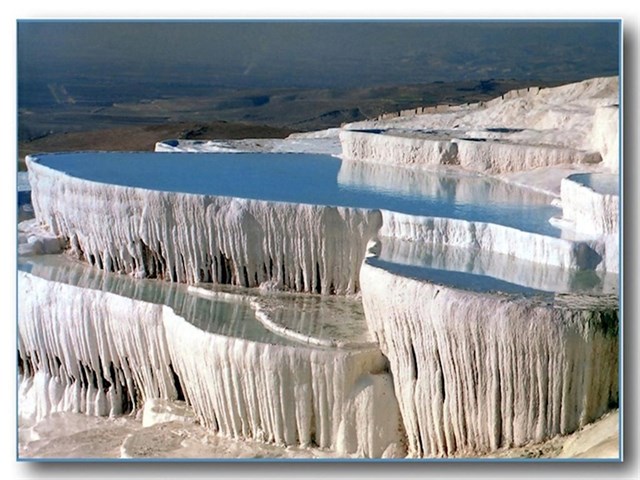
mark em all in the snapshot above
pixel 480 335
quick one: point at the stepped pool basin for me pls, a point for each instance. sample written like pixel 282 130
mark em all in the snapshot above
pixel 395 302
pixel 318 370
pixel 317 180
pixel 603 183
pixel 288 221
pixel 470 268
pixel 250 366
pixel 227 311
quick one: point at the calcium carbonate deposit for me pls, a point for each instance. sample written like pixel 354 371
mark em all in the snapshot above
pixel 476 372
pixel 448 287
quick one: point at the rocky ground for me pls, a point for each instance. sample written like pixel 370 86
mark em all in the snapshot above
pixel 83 124
pixel 143 137
pixel 72 435
pixel 599 439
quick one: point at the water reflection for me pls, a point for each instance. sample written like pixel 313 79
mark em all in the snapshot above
pixel 449 185
pixel 482 270
pixel 323 317
pixel 231 318
pixel 319 180
pixel 604 183
pixel 454 194
pixel 229 315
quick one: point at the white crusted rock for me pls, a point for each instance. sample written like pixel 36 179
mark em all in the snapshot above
pixel 476 372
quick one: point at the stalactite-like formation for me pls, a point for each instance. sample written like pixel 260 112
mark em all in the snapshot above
pixel 93 358
pixel 101 353
pixel 475 372
pixel 198 238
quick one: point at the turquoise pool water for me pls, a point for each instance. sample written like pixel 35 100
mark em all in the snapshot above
pixel 478 270
pixel 228 313
pixel 315 179
pixel 604 183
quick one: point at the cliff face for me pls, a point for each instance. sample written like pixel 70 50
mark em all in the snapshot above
pixel 476 372
pixel 104 353
pixel 198 238
pixel 455 371
pixel 522 130
pixel 486 155
pixel 587 209
pixel 85 351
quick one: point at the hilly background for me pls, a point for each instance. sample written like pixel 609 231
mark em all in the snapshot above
pixel 132 83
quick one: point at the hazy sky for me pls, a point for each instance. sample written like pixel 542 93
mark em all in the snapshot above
pixel 318 54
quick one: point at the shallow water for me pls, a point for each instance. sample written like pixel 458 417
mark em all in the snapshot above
pixel 318 180
pixel 605 183
pixel 485 271
pixel 229 312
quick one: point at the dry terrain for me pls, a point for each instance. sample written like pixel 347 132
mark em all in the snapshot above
pixel 77 121
pixel 143 137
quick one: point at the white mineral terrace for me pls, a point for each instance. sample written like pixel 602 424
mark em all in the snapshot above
pixel 472 268
pixel 217 223
pixel 105 344
pixel 447 287
pixel 591 202
pixel 476 372
pixel 523 130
